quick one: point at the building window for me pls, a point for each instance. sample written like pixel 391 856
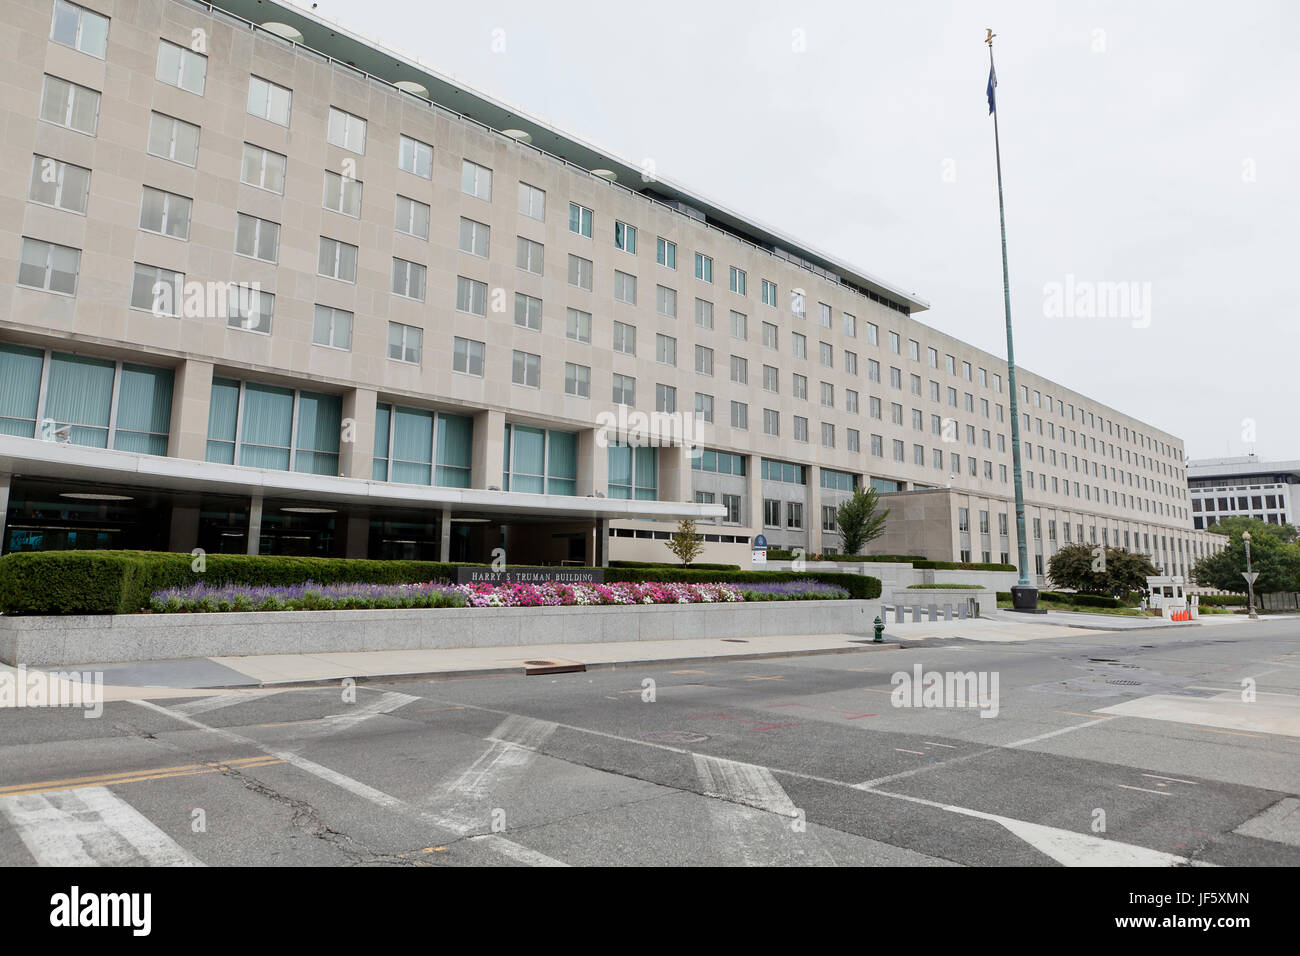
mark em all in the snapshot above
pixel 739 370
pixel 666 301
pixel 59 184
pixel 771 378
pixel 271 101
pixel 580 271
pixel 799 386
pixel 577 380
pixel 740 415
pixel 405 343
pixel 412 217
pixel 471 296
pixel 737 281
pixel 666 253
pixel 157 290
pixel 853 440
pixel 633 472
pixel 467 356
pixel 69 105
pixel 578 325
pixel 539 461
pixel 476 180
pixel 528 312
pixel 829 513
pixel 703 267
pixel 794 515
pixel 827 354
pixel 771 423
pixel 703 314
pixel 799 345
pixel 665 398
pixel 625 237
pixel 771 513
pixel 181 68
pixel 178 141
pixel 260 239
pixel 625 338
pixel 704 407
pixel 347 131
pixel 79 28
pixel 261 167
pixel 49 267
pixel 828 435
pixel 800 429
pixel 254 425
pixel 532 202
pixel 249 309
pixel 797 303
pixel 739 326
pixel 332 328
pixel 475 237
pixel 342 194
pixel 337 260
pixel 770 339
pixel 624 390
pixel 415 157
pixel 417 447
pixel 624 287
pixel 769 293
pixel 165 213
pixel 529 255
pixel 665 349
pixel 526 369
pixel 408 279
pixel 580 219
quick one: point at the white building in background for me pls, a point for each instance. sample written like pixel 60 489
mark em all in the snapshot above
pixel 1243 487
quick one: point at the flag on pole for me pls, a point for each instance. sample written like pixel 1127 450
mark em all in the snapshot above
pixel 993 82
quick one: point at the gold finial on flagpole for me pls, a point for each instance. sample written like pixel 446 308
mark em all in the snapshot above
pixel 989 39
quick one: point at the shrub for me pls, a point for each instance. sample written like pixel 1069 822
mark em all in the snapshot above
pixel 961 566
pixel 664 564
pixel 859 586
pixel 1223 600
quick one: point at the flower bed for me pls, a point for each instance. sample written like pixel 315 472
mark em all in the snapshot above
pixel 432 594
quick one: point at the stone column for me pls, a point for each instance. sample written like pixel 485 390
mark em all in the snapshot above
pixel 489 449
pixel 357 441
pixel 254 524
pixel 593 462
pixel 812 509
pixel 191 395
pixel 444 532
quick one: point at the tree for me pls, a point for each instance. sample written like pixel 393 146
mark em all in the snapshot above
pixel 1272 555
pixel 857 520
pixel 1094 569
pixel 686 542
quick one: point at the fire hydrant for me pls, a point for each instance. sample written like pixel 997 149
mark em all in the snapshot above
pixel 880 630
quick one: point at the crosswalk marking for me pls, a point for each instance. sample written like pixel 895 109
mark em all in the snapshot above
pixel 205 705
pixel 90 827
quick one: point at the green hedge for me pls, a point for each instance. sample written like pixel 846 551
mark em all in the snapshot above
pixel 950 587
pixel 667 564
pixel 785 554
pixel 120 582
pixel 1222 600
pixel 859 586
pixel 1081 600
pixel 961 566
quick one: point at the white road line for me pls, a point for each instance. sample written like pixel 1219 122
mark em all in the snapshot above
pixel 746 783
pixel 1162 793
pixel 933 744
pixel 919 753
pixel 90 827
pixel 205 704
pixel 1057 733
pixel 385 703
pixel 516 852
pixel 1156 776
pixel 356 787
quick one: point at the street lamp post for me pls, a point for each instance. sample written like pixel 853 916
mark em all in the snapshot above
pixel 1250 579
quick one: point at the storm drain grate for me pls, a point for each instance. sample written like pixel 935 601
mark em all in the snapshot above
pixel 1126 683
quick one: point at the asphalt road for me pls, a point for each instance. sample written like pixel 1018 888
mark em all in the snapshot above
pixel 1121 749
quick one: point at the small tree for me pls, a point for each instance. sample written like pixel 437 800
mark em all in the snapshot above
pixel 686 542
pixel 857 520
pixel 1097 570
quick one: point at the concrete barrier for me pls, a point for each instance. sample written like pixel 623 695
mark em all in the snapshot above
pixel 119 638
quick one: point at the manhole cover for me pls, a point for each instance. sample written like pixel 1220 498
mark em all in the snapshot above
pixel 1126 683
pixel 674 737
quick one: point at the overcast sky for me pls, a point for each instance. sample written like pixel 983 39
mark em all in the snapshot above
pixel 1152 143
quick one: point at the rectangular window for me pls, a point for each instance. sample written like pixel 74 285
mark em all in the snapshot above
pixel 269 101
pixel 526 369
pixel 739 326
pixel 59 184
pixel 823 315
pixel 625 338
pixel 797 303
pixel 703 267
pixel 624 389
pixel 337 260
pixel 580 271
pixel 665 399
pixel 476 180
pixel 260 167
pixel 69 105
pixel 771 422
pixel 666 253
pixel 895 343
pixel 49 267
pixel 332 328
pixel 250 310
pixel 794 515
pixel 771 513
pixel 739 415
pixel 873 370
pixel 529 255
pixel 914 350
pixel 577 380
pixel 342 194
pixel 771 378
pixel 528 312
pixel 828 435
pixel 666 301
pixel 853 440
pixel 828 394
pixel 827 354
pixel 412 217
pixel 703 360
pixel 625 237
pixel 873 334
pixel 405 343
pixel 347 131
pixel 532 202
pixel 703 314
pixel 665 349
pixel 415 157
pixel 578 325
pixel 633 472
pixel 260 239
pixel 181 68
pixel 850 400
pixel 800 388
pixel 471 296
pixel 467 356
pixel 800 428
pixel 157 290
pixel 769 335
pixel 79 28
pixel 800 345
pixel 737 281
pixel 580 219
pixel 173 139
pixel 624 287
pixel 165 213
pixel 769 293
pixel 739 370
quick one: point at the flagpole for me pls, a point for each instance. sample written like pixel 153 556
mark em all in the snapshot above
pixel 1024 595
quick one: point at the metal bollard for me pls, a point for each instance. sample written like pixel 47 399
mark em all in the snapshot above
pixel 947 612
pixel 961 612
pixel 934 612
pixel 916 614
pixel 898 611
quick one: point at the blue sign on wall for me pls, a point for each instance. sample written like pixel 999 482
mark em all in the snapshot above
pixel 760 541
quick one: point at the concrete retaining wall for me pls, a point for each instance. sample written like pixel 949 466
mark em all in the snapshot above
pixel 894 575
pixel 149 637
